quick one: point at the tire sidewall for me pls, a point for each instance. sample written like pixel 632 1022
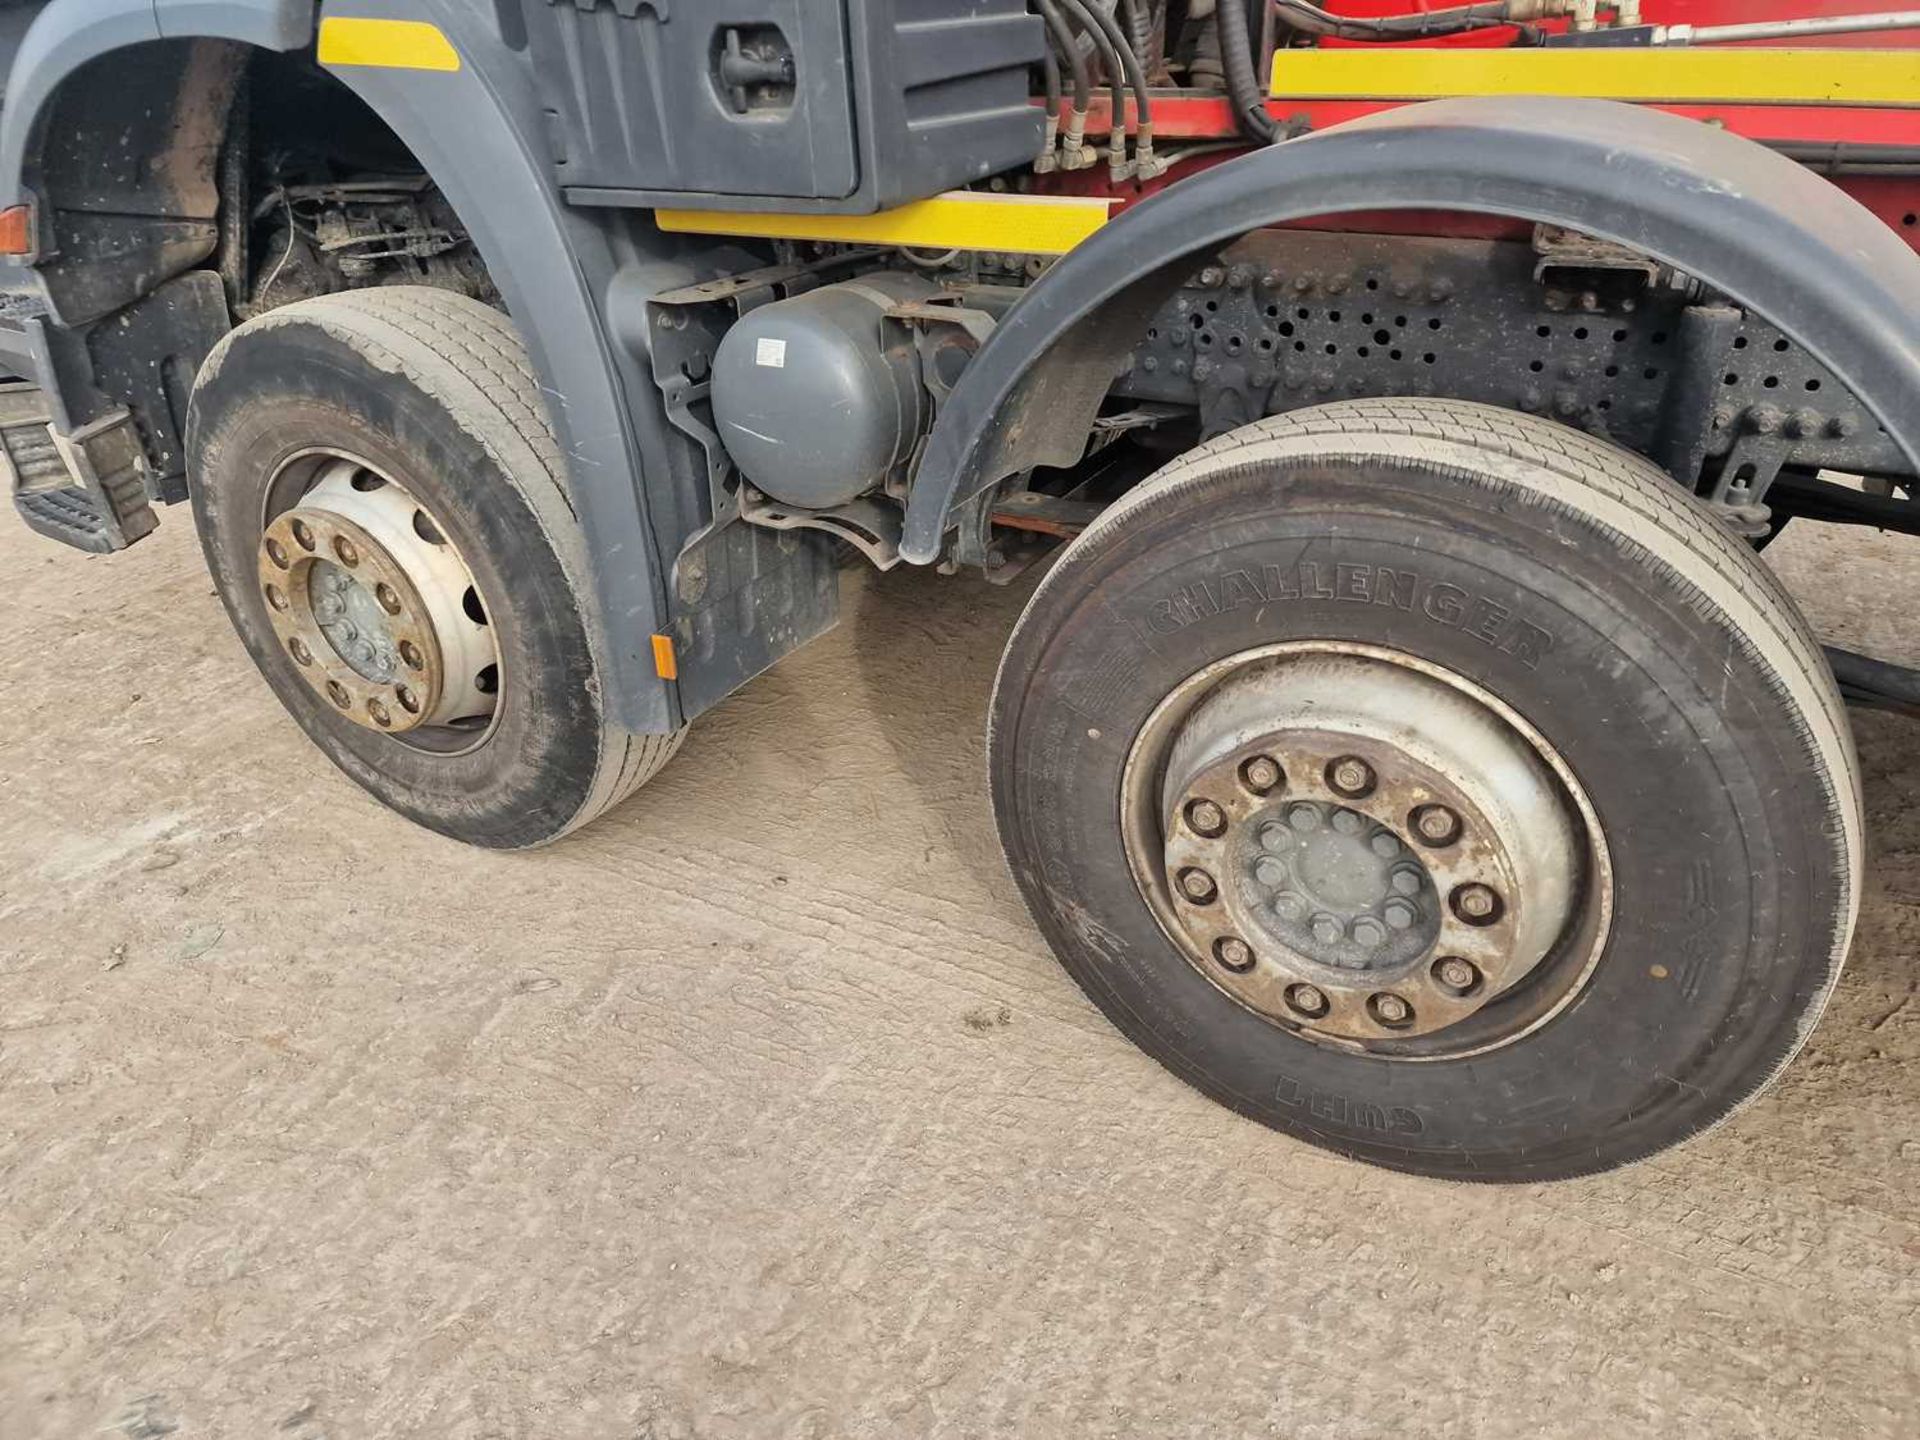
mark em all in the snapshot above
pixel 1719 825
pixel 292 384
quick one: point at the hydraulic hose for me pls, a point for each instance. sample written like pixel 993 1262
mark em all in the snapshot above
pixel 1312 20
pixel 1073 154
pixel 1124 72
pixel 1248 95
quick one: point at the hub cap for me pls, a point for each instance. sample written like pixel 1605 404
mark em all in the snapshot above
pixel 1365 848
pixel 375 605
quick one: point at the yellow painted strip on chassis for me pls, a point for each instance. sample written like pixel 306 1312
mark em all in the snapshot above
pixel 1738 75
pixel 957 220
pixel 390 44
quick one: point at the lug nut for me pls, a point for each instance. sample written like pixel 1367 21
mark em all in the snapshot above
pixel 1327 928
pixel 337 693
pixel 1197 886
pixel 409 701
pixel 1307 999
pixel 1206 819
pixel 1350 776
pixel 1399 913
pixel 1436 824
pixel 1369 933
pixel 410 653
pixel 277 553
pixel 1261 774
pixel 388 597
pixel 1290 905
pixel 1347 823
pixel 1234 953
pixel 1390 1009
pixel 1269 871
pixel 1304 818
pixel 299 650
pixel 348 552
pixel 379 712
pixel 1455 973
pixel 1476 904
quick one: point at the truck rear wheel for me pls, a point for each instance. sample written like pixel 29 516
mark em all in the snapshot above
pixel 379 498
pixel 1436 784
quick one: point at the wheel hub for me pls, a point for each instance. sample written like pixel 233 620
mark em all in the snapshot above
pixel 375 606
pixel 1351 845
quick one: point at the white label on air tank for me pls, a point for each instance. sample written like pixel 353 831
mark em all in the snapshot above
pixel 770 352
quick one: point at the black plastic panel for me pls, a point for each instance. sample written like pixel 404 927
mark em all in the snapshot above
pixel 848 106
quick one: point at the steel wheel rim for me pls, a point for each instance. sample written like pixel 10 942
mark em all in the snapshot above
pixel 1255 959
pixel 372 601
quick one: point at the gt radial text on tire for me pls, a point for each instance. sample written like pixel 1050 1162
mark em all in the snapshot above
pixel 1437 784
pixel 379 498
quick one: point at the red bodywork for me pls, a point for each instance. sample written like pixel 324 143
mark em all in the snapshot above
pixel 1182 118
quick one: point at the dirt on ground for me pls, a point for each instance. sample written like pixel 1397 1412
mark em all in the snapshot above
pixel 759 1109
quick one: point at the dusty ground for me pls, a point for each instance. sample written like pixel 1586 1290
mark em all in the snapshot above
pixel 759 1110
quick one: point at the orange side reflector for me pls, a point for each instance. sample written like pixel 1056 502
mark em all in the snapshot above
pixel 664 662
pixel 16 230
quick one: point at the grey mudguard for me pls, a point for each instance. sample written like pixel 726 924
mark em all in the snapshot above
pixel 475 130
pixel 68 33
pixel 1750 223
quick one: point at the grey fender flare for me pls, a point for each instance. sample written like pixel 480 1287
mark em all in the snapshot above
pixel 1750 223
pixel 69 33
pixel 476 131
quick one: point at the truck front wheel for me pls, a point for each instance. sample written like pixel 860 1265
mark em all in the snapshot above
pixel 1437 784
pixel 379 498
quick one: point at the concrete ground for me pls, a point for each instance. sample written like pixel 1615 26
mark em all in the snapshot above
pixel 759 1109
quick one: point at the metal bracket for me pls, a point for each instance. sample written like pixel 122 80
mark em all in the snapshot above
pixel 870 526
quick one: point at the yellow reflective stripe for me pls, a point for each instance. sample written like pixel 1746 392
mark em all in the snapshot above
pixel 957 220
pixel 392 44
pixel 1736 75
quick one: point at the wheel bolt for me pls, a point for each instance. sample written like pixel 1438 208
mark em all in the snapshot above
pixel 1476 904
pixel 1369 933
pixel 1390 1009
pixel 1384 845
pixel 388 597
pixel 409 701
pixel 1290 905
pixel 1436 824
pixel 1206 818
pixel 1197 886
pixel 277 553
pixel 410 653
pixel 348 552
pixel 1261 774
pixel 1327 928
pixel 1405 881
pixel 1275 837
pixel 1234 953
pixel 379 712
pixel 1455 973
pixel 299 650
pixel 1399 913
pixel 1269 871
pixel 1307 999
pixel 1347 822
pixel 303 533
pixel 1350 775
pixel 1304 818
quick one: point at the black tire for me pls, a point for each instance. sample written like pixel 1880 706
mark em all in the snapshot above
pixel 435 390
pixel 1681 688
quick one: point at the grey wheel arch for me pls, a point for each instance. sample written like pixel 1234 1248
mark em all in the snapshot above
pixel 1750 223
pixel 476 131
